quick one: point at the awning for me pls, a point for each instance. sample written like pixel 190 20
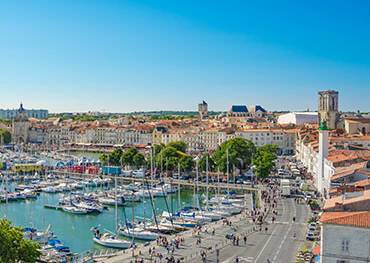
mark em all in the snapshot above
pixel 316 250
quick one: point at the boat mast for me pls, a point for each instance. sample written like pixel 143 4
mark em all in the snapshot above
pixel 218 181
pixel 227 170
pixel 178 188
pixel 197 183
pixel 116 200
pixel 151 163
pixel 152 204
pixel 207 181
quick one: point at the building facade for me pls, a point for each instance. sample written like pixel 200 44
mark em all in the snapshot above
pixel 345 237
pixel 10 114
pixel 328 108
pixel 298 118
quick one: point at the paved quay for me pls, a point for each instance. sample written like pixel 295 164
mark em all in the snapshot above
pixel 277 244
pixel 189 250
pixel 277 241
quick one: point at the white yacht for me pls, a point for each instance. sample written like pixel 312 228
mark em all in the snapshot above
pixel 137 232
pixel 111 241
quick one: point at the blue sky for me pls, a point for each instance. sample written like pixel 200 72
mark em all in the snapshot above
pixel 130 55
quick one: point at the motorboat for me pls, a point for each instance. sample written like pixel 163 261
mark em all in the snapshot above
pixel 75 210
pixel 40 237
pixel 111 201
pixel 90 206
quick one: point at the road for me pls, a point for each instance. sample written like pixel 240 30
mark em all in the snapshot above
pixel 277 244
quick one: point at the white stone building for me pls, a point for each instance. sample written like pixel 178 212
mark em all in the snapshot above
pixel 284 139
pixel 345 237
pixel 298 118
pixel 357 126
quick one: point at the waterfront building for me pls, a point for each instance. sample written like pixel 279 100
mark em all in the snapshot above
pixel 324 168
pixel 298 118
pixel 283 138
pixel 328 108
pixel 345 237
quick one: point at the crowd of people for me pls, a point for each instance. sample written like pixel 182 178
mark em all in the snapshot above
pixel 269 198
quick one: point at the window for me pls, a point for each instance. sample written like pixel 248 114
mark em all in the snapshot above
pixel 345 245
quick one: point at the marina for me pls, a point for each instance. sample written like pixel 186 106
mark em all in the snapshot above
pixel 67 222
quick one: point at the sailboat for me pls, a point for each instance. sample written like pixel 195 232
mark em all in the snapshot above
pixel 137 230
pixel 109 239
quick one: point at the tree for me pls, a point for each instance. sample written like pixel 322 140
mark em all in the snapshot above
pixel 115 157
pixel 172 155
pixel 5 136
pixel 127 157
pixel 13 247
pixel 103 159
pixel 186 162
pixel 157 148
pixel 178 145
pixel 239 151
pixel 264 160
pixel 203 163
pixel 138 160
pixel 167 157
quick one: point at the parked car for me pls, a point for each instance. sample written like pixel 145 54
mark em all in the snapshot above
pixel 311 235
pixel 312 227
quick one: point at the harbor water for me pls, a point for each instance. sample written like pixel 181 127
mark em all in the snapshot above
pixel 74 230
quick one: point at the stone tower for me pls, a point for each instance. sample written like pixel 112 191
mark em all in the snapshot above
pixel 203 110
pixel 21 126
pixel 328 108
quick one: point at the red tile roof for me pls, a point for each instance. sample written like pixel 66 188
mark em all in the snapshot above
pixel 357 219
pixel 348 200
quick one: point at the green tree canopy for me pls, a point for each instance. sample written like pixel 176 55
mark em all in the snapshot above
pixel 264 160
pixel 115 157
pixel 157 148
pixel 13 247
pixel 5 136
pixel 127 157
pixel 186 162
pixel 139 160
pixel 240 152
pixel 103 159
pixel 171 155
pixel 203 163
pixel 179 145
